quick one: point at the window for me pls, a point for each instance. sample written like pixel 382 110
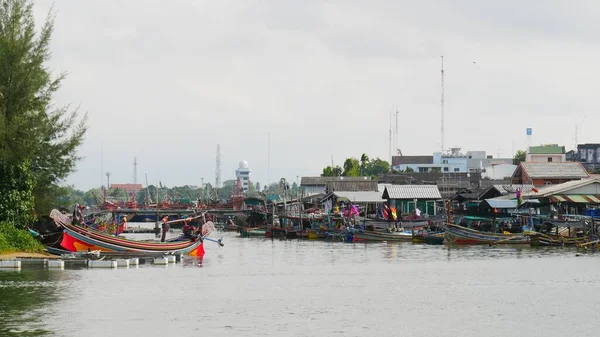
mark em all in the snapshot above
pixel 445 161
pixel 547 183
pixel 456 169
pixel 423 169
pixel 549 159
pixel 446 169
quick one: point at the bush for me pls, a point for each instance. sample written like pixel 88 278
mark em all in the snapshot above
pixel 13 239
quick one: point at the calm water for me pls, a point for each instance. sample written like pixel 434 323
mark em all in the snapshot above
pixel 255 287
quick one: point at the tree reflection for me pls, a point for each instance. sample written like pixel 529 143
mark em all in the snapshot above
pixel 25 298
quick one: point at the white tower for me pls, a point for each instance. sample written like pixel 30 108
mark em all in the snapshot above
pixel 243 175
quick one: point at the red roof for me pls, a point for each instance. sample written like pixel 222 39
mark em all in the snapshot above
pixel 127 187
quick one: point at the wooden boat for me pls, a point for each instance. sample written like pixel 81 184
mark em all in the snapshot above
pixel 361 236
pixel 539 239
pixel 253 232
pixel 466 236
pixel 78 239
pixel 436 238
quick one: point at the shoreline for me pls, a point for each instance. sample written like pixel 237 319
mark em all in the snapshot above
pixel 25 255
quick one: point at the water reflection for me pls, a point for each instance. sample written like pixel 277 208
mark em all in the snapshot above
pixel 26 298
pixel 259 287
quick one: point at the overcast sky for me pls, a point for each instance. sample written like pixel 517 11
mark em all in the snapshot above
pixel 167 81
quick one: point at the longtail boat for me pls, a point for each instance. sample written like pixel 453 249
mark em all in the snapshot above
pixel 466 236
pixel 436 238
pixel 77 238
pixel 539 239
pixel 361 236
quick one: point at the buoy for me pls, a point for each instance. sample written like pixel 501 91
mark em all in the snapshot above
pixel 59 264
pixel 123 263
pixel 161 261
pixel 171 259
pixel 10 264
pixel 134 261
pixel 102 264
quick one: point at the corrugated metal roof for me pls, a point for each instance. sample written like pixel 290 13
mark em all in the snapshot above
pixel 576 198
pixel 334 186
pixel 508 188
pixel 563 188
pixel 360 196
pixel 554 170
pixel 409 192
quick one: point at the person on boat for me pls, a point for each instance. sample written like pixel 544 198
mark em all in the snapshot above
pixel 165 228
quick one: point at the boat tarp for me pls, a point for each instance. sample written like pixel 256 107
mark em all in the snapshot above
pixel 508 204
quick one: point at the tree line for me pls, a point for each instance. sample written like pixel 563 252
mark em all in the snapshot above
pixel 38 140
pixel 354 167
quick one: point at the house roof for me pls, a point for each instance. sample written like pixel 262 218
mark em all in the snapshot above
pixel 509 188
pixel 127 187
pixel 563 188
pixel 507 203
pixel 400 160
pixel 547 149
pixel 568 170
pixel 335 186
pixel 359 196
pixel 409 192
pixel 322 181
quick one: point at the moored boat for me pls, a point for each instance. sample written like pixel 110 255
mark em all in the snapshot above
pixel 466 236
pixel 77 238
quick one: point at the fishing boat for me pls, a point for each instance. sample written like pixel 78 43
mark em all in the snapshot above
pixel 77 238
pixel 253 232
pixel 540 239
pixel 361 236
pixel 466 236
pixel 430 238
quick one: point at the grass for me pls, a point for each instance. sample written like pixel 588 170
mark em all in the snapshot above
pixel 13 239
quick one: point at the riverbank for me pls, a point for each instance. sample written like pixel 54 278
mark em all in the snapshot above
pixel 25 255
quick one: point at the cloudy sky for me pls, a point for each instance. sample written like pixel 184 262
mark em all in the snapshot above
pixel 166 81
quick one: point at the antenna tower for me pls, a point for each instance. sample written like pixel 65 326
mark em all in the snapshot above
pixel 135 170
pixel 442 103
pixel 218 168
pixel 390 141
pixel 396 136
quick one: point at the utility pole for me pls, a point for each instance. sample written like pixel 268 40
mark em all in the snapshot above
pixel 135 170
pixel 442 104
pixel 108 180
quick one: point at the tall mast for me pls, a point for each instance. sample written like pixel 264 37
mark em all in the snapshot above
pixel 390 145
pixel 396 137
pixel 442 102
pixel 135 170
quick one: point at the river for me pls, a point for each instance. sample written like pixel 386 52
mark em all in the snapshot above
pixel 258 287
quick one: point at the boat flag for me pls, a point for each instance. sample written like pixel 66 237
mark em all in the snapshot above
pixel 519 198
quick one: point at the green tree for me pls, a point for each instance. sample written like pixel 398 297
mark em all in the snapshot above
pixel 409 170
pixel 332 171
pixel 364 163
pixel 33 132
pixel 351 167
pixel 519 157
pixel 16 194
pixel 377 167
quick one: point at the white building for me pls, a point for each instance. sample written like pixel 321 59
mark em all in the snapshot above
pixel 452 161
pixel 243 175
pixel 499 171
